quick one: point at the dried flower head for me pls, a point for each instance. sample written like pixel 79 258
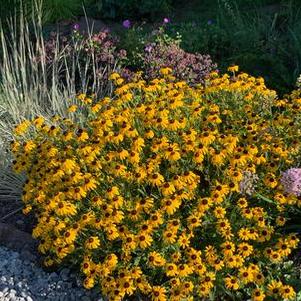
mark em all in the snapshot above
pixel 247 185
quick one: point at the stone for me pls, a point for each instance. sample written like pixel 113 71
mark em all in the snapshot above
pixel 11 295
pixel 5 290
pixel 29 256
pixel 23 294
pixel 53 276
pixel 3 263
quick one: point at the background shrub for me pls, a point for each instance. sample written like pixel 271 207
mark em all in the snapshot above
pixel 262 37
pixel 166 52
pixel 149 52
pixel 134 9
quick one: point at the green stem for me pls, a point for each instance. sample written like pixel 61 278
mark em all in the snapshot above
pixel 264 198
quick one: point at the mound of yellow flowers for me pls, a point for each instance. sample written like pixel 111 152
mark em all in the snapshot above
pixel 167 190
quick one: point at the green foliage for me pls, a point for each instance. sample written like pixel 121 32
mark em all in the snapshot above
pixel 136 9
pixel 263 37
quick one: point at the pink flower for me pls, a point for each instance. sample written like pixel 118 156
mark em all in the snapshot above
pixel 148 48
pixel 126 24
pixel 166 20
pixel 291 181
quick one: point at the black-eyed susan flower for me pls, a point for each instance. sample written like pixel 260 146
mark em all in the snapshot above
pixel 231 283
pixel 258 295
pixel 92 242
pixel 158 293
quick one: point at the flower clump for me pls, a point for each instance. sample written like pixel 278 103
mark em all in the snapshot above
pixel 146 196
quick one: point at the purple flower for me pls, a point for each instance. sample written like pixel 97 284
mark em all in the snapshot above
pixel 210 22
pixel 166 20
pixel 76 27
pixel 126 24
pixel 291 181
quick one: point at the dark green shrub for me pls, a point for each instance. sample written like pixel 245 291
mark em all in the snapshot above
pixel 137 9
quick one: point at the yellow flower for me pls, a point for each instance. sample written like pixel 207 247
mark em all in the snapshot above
pixel 165 71
pixel 171 270
pixel 38 121
pixel 72 108
pixel 245 249
pixel 22 127
pixel 231 283
pixel 68 166
pixel 274 288
pixel 258 295
pixel 158 293
pixel 245 275
pixel 92 242
pixel 155 259
pixel 233 68
pixel 89 283
pixel 287 292
pixel 156 179
pixel 65 209
pixel 114 76
pixel 144 240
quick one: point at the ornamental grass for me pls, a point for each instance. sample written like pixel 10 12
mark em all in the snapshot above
pixel 166 190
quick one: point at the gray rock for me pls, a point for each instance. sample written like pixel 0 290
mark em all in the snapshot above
pixel 3 263
pixel 28 282
pixel 5 290
pixel 23 294
pixel 53 277
pixel 11 295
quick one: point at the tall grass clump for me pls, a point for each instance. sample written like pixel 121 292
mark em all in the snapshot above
pixel 30 85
